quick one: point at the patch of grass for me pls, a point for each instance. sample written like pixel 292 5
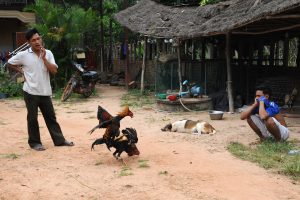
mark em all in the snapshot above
pixel 163 173
pixel 58 93
pixel 98 163
pixel 12 156
pixel 143 164
pixel 134 98
pixel 126 171
pixel 270 155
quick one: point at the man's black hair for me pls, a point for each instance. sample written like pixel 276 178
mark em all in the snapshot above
pixel 30 33
pixel 265 89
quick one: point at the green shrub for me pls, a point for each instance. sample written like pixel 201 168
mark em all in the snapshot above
pixel 10 88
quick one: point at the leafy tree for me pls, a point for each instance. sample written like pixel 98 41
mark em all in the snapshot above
pixel 62 28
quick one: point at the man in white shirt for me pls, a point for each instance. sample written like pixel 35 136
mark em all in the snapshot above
pixel 37 62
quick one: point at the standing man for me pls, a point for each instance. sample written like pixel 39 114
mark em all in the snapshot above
pixel 264 118
pixel 37 62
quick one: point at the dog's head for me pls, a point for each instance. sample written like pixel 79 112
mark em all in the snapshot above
pixel 206 128
pixel 168 127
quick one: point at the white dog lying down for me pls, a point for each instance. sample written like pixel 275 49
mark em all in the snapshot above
pixel 189 126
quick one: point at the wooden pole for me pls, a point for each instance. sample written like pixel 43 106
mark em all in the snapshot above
pixel 229 79
pixel 127 75
pixel 203 64
pixel 127 79
pixel 286 50
pixel 298 55
pixel 101 38
pixel 143 65
pixel 179 65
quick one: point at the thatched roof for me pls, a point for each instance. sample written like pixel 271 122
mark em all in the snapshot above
pixel 150 18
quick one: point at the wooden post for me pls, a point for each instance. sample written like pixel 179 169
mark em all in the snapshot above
pixel 127 75
pixel 298 55
pixel 229 79
pixel 127 59
pixel 272 52
pixel 101 42
pixel 110 52
pixel 203 64
pixel 143 65
pixel 260 53
pixel 286 50
pixel 179 65
pixel 134 50
pixel 250 64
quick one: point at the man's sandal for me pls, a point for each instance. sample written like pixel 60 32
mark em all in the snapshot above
pixel 66 143
pixel 38 147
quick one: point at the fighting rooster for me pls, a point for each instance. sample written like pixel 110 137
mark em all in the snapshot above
pixel 112 125
pixel 125 142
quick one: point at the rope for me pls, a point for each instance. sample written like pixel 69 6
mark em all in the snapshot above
pixel 185 106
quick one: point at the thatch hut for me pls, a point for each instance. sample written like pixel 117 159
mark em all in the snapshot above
pixel 255 37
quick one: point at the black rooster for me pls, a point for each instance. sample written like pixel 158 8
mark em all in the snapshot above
pixel 125 142
pixel 112 125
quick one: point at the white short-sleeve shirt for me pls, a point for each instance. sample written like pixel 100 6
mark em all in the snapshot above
pixel 35 72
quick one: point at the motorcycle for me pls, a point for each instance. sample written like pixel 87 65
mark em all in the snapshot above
pixel 193 90
pixel 81 82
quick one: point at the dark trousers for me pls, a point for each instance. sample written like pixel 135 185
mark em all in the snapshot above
pixel 44 103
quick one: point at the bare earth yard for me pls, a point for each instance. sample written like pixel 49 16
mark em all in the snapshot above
pixel 181 166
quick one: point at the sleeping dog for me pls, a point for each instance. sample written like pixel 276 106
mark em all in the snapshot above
pixel 190 126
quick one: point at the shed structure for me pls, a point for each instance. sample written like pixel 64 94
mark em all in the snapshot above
pixel 251 41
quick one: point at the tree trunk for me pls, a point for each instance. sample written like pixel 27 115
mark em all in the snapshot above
pixel 110 63
pixel 101 45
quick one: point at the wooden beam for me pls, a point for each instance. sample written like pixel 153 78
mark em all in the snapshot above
pixel 268 31
pixel 283 17
pixel 229 78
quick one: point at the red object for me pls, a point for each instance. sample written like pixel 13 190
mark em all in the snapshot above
pixel 172 97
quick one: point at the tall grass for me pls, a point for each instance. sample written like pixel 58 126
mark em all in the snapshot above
pixel 134 98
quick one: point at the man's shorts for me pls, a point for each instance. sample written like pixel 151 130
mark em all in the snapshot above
pixel 284 131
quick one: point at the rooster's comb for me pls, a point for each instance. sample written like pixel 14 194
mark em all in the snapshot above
pixel 125 112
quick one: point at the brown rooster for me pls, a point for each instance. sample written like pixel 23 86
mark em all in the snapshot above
pixel 112 125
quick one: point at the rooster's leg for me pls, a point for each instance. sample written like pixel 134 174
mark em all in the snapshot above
pixel 116 154
pixel 98 141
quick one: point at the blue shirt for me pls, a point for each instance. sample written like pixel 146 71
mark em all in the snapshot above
pixel 271 108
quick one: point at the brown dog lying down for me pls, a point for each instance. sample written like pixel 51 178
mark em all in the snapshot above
pixel 189 126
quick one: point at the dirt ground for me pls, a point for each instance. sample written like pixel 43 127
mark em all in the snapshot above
pixel 181 166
